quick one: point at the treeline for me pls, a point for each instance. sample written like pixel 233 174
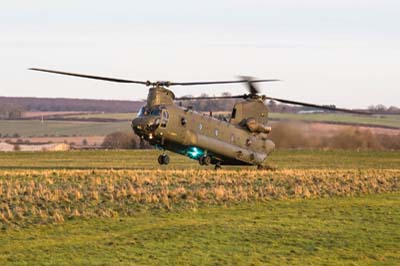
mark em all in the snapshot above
pixel 220 105
pixel 381 109
pixel 10 111
pixel 124 140
pixel 66 105
pixel 226 105
pixel 273 106
pixel 14 106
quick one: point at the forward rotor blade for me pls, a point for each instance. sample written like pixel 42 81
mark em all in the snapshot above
pixel 318 106
pixel 148 83
pixel 90 76
pixel 219 82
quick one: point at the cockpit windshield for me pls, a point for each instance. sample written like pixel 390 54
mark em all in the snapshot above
pixel 156 111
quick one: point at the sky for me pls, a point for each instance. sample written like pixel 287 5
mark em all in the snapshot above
pixel 343 52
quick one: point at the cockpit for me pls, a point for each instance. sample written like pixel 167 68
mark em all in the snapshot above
pixel 151 118
pixel 154 111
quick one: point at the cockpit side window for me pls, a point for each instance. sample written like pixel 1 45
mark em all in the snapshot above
pixel 165 114
pixel 142 112
pixel 233 113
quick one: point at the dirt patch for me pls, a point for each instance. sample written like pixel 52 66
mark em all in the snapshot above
pixel 327 136
pixel 84 140
pixel 45 114
pixel 331 129
pixel 328 130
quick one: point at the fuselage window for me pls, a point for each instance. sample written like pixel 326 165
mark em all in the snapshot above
pixel 200 126
pixel 164 119
pixel 248 142
pixel 183 121
pixel 232 138
pixel 216 132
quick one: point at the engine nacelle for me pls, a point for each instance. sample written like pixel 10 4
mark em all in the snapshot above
pixel 256 127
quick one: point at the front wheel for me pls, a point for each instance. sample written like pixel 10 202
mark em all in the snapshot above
pixel 166 159
pixel 163 159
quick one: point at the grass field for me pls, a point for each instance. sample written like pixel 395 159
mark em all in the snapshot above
pixel 333 231
pixel 119 116
pixel 29 128
pixel 121 208
pixel 147 159
pixel 379 120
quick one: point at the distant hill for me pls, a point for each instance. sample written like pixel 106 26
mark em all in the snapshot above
pixel 32 104
pixel 65 104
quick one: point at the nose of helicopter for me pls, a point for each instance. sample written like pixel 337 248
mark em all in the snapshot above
pixel 144 126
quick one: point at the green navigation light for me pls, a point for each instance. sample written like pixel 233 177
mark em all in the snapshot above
pixel 194 152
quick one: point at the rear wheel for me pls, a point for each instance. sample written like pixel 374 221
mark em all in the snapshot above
pixel 205 160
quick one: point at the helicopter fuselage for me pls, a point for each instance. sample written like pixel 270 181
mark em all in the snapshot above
pixel 195 135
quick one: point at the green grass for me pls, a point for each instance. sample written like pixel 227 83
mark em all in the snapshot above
pixel 378 120
pixel 333 231
pixel 147 159
pixel 119 116
pixel 29 128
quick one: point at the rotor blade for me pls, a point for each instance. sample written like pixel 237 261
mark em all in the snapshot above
pixel 148 83
pixel 317 106
pixel 250 86
pixel 90 76
pixel 219 82
pixel 210 98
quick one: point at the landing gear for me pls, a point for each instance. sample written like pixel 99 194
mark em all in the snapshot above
pixel 163 159
pixel 205 160
pixel 218 165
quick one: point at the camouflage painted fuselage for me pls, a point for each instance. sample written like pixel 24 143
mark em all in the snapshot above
pixel 193 134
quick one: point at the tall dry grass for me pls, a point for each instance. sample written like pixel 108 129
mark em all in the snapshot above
pixel 32 197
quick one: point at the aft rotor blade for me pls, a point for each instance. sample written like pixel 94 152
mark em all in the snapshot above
pixel 252 88
pixel 90 76
pixel 318 106
pixel 218 82
pixel 211 97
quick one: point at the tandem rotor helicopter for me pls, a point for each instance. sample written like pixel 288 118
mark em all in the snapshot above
pixel 243 140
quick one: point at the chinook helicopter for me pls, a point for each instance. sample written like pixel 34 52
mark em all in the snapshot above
pixel 243 140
